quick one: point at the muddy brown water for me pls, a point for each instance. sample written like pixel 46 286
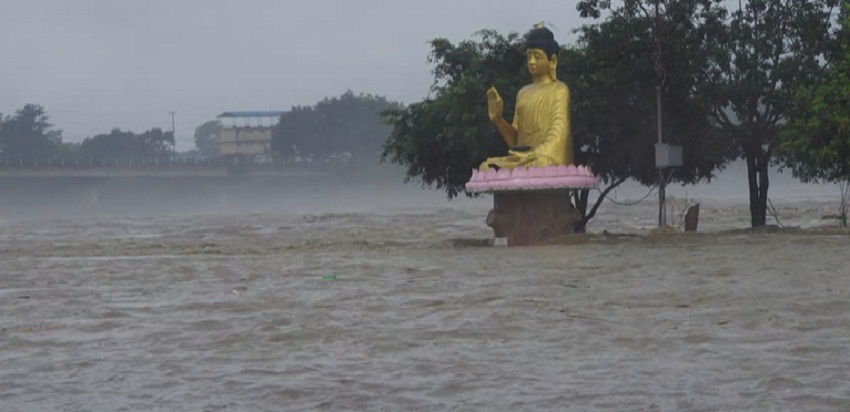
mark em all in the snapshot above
pixel 408 310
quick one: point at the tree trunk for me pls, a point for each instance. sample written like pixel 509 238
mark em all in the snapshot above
pixel 759 183
pixel 764 184
pixel 580 197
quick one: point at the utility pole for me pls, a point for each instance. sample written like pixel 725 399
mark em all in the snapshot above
pixel 173 137
pixel 659 72
pixel 666 155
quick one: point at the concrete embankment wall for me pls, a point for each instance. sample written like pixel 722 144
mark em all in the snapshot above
pixel 67 196
pixel 58 196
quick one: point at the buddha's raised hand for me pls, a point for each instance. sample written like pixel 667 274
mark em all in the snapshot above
pixel 495 105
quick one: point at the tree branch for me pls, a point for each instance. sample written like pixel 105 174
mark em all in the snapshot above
pixel 645 11
pixel 722 119
pixel 599 200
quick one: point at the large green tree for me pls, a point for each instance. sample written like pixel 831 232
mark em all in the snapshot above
pixel 816 141
pixel 772 49
pixel 206 138
pixel 611 73
pixel 28 134
pixel 440 139
pixel 349 123
pixel 756 59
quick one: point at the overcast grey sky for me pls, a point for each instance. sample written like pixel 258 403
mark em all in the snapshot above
pixel 99 64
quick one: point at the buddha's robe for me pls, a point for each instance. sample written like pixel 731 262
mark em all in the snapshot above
pixel 542 121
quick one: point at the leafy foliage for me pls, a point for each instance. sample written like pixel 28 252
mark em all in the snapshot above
pixel 442 138
pixel 772 48
pixel 752 62
pixel 614 78
pixel 206 138
pixel 816 143
pixel 121 144
pixel 349 123
pixel 28 134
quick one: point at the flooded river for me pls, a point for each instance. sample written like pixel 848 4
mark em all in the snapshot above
pixel 408 309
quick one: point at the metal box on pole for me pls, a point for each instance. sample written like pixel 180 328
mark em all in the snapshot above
pixel 667 155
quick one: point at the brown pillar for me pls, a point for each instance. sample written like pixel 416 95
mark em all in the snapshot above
pixel 531 217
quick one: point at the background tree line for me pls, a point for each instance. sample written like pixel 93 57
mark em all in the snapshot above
pixel 746 82
pixel 350 124
pixel 28 136
pixel 152 143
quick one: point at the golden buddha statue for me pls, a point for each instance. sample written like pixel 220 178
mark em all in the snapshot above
pixel 540 132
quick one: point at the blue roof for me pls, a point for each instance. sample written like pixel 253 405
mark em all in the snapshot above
pixel 268 113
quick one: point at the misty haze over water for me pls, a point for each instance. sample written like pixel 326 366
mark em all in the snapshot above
pixel 51 197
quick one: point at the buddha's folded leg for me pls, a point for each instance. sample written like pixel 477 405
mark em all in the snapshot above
pixel 508 162
pixel 541 161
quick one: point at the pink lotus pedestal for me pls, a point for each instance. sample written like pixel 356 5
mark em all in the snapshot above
pixel 531 206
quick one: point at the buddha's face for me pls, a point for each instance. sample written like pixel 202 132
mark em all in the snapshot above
pixel 538 62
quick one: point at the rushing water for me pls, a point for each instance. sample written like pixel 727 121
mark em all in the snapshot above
pixel 407 308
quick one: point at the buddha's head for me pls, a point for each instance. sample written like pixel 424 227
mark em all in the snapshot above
pixel 542 52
